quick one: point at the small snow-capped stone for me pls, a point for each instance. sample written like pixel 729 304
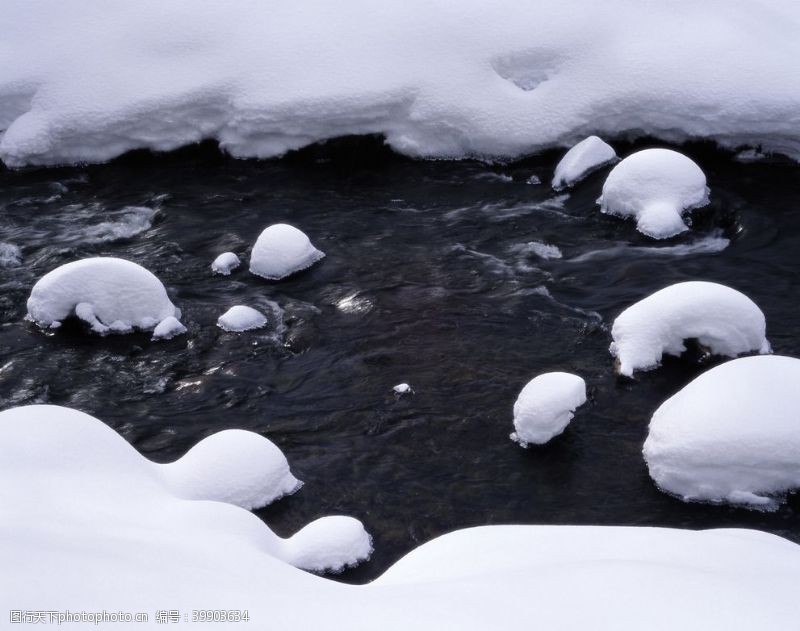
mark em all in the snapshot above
pixel 111 295
pixel 723 320
pixel 655 187
pixel 168 328
pixel 545 407
pixel 225 263
pixel 731 435
pixel 329 544
pixel 402 388
pixel 282 250
pixel 587 156
pixel 233 466
pixel 241 318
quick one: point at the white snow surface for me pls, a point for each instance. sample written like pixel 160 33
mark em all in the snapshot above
pixel 282 250
pixel 111 295
pixel 731 435
pixel 225 263
pixel 233 466
pixel 186 513
pixel 168 328
pixel 655 187
pixel 545 407
pixel 438 79
pixel 721 319
pixel 79 501
pixel 241 318
pixel 587 156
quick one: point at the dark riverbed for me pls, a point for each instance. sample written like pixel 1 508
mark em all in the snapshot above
pixel 429 279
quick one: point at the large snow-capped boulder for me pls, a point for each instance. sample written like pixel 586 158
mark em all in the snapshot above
pixel 80 501
pixel 233 466
pixel 587 156
pixel 282 250
pixel 241 318
pixel 731 435
pixel 111 295
pixel 545 407
pixel 655 187
pixel 721 319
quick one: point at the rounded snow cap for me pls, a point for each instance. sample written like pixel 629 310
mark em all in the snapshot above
pixel 545 407
pixel 111 295
pixel 731 435
pixel 655 187
pixel 582 159
pixel 282 250
pixel 241 318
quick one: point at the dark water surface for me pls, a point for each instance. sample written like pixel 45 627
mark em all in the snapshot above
pixel 427 280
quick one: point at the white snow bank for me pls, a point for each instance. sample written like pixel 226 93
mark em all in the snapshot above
pixel 241 318
pixel 168 328
pixel 721 319
pixel 225 263
pixel 731 435
pixel 78 500
pixel 233 466
pixel 280 251
pixel 111 295
pixel 10 255
pixel 587 156
pixel 545 407
pixel 655 187
pixel 438 79
pixel 140 519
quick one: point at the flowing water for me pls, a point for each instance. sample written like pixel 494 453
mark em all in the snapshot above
pixel 462 279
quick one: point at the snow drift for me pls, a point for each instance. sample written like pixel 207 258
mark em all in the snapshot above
pixel 80 502
pixel 655 187
pixel 545 407
pixel 85 80
pixel 111 295
pixel 731 435
pixel 722 320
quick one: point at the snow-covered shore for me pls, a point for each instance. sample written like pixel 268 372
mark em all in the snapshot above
pixel 440 79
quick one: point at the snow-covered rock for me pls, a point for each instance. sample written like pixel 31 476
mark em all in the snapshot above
pixel 502 79
pixel 131 512
pixel 402 388
pixel 225 263
pixel 241 318
pixel 78 500
pixel 587 156
pixel 655 187
pixel 282 250
pixel 545 407
pixel 111 295
pixel 233 466
pixel 168 328
pixel 721 319
pixel 731 435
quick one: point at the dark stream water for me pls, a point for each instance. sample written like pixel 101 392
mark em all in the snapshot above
pixel 427 280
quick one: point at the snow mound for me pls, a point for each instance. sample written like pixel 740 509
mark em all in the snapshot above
pixel 225 263
pixel 80 501
pixel 241 318
pixel 402 388
pixel 587 156
pixel 111 295
pixel 233 466
pixel 545 407
pixel 655 187
pixel 721 319
pixel 329 544
pixel 439 80
pixel 168 328
pixel 731 435
pixel 282 250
